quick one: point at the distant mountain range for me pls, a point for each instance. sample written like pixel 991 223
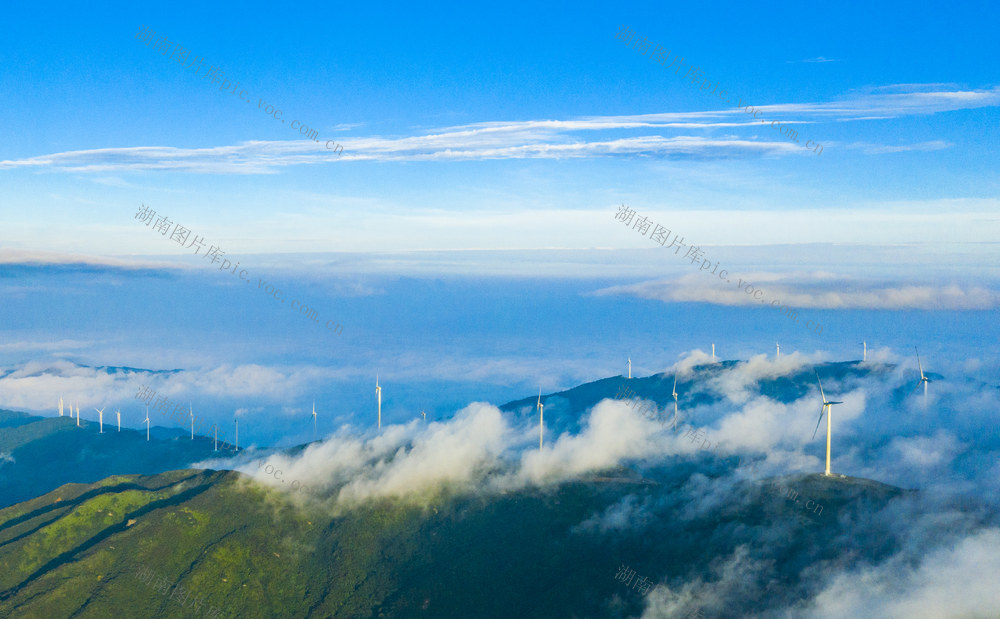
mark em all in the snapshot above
pixel 42 453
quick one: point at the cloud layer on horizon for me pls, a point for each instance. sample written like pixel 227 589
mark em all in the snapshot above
pixel 814 290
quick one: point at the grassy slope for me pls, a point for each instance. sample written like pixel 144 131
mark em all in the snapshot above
pixel 251 552
pixel 51 451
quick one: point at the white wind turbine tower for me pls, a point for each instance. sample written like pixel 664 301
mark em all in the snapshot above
pixel 541 418
pixel 119 414
pixel 713 352
pixel 777 350
pixel 424 415
pixel 100 414
pixel 147 423
pixel 216 437
pixel 674 393
pixel 923 379
pixel 78 416
pixel 828 409
pixel 60 406
pixel 864 351
pixel 378 394
pixel 314 418
pixel 629 371
pixel 191 409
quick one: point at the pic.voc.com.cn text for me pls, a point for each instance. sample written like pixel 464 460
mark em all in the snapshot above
pixel 179 54
pixel 662 235
pixel 180 235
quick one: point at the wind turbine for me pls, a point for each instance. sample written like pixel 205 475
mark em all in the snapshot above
pixel 777 351
pixel 828 409
pixel 314 417
pixel 713 352
pixel 191 409
pixel 60 406
pixel 674 393
pixel 541 417
pixel 147 423
pixel 923 379
pixel 629 371
pixel 78 416
pixel 100 414
pixel 216 437
pixel 864 351
pixel 119 414
pixel 424 415
pixel 378 393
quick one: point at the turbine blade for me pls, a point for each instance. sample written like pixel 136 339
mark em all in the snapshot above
pixel 919 382
pixel 823 410
pixel 820 385
pixel 921 367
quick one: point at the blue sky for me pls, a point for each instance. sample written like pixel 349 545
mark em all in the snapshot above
pixel 515 127
pixel 465 236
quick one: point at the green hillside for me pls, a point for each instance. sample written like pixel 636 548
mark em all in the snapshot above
pixel 139 544
pixel 44 453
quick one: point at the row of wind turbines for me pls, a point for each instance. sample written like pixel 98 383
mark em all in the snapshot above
pixel 118 414
pixel 826 409
pixel 100 413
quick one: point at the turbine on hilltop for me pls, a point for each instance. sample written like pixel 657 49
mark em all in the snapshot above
pixel 828 409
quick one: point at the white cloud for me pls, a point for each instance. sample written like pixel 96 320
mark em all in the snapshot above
pixel 533 139
pixel 880 149
pixel 926 451
pixel 613 432
pixel 947 582
pixel 49 346
pixel 815 290
pixel 35 257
